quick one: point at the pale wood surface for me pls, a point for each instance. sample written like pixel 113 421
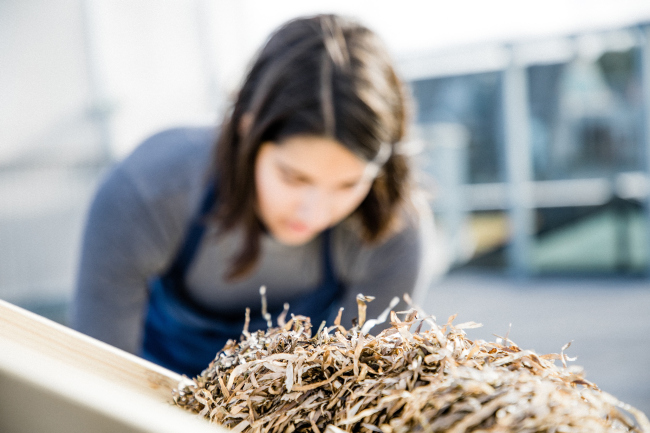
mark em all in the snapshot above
pixel 52 339
pixel 53 379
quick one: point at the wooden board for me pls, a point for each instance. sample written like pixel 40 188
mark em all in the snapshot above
pixel 54 379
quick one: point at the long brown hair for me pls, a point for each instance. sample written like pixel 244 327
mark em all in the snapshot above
pixel 326 76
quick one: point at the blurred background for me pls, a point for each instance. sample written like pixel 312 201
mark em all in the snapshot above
pixel 531 130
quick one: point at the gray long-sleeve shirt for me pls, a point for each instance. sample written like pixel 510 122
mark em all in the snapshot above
pixel 139 218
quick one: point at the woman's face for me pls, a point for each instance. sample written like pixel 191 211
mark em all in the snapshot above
pixel 306 184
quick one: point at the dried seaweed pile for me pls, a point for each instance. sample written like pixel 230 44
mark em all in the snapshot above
pixel 404 379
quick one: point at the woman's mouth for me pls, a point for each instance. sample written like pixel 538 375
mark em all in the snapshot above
pixel 298 227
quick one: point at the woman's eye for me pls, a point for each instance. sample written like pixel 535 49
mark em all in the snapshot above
pixel 292 179
pixel 347 187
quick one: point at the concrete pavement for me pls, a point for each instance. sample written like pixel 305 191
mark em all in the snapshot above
pixel 607 319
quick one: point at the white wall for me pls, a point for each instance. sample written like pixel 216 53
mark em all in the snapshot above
pixel 43 82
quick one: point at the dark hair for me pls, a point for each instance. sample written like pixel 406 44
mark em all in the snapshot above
pixel 325 76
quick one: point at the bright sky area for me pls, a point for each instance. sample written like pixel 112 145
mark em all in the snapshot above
pixel 417 24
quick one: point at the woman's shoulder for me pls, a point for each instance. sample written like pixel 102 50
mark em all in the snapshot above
pixel 409 235
pixel 162 180
pixel 172 151
pixel 414 217
pixel 411 250
pixel 167 162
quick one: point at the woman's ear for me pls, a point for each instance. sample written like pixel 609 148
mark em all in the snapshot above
pixel 245 123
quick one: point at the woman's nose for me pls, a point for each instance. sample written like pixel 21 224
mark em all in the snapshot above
pixel 315 209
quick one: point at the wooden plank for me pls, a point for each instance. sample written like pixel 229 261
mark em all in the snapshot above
pixel 53 376
pixel 85 353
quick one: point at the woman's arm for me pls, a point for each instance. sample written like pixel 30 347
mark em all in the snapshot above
pixel 123 246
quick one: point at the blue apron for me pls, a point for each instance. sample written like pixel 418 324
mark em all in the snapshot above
pixel 184 336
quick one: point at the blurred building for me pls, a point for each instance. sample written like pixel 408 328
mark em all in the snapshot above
pixel 538 151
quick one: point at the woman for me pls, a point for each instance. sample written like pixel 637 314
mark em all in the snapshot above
pixel 305 192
